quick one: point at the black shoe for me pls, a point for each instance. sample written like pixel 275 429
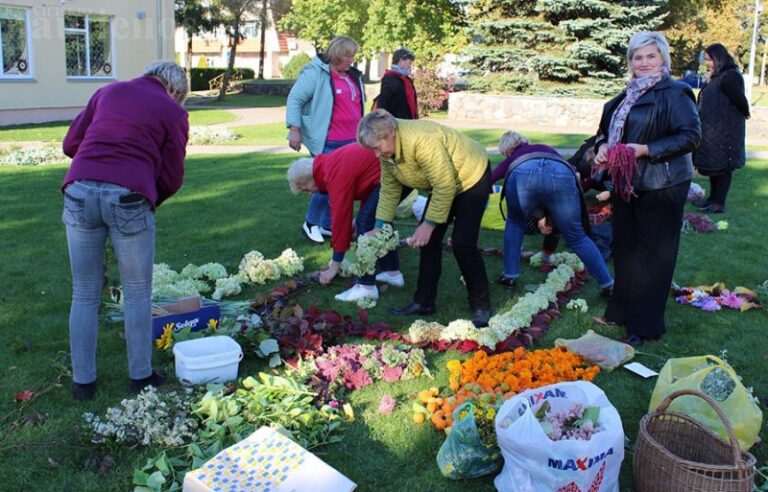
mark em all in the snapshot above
pixel 480 317
pixel 83 392
pixel 713 209
pixel 155 379
pixel 700 203
pixel 413 308
pixel 509 283
pixel 607 292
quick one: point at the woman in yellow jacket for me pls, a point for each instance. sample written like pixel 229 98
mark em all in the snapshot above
pixel 455 170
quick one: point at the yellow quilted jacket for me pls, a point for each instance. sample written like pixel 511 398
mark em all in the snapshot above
pixel 430 157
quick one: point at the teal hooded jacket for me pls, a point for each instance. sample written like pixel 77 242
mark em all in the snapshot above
pixel 310 103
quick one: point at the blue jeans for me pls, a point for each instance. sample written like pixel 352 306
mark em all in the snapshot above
pixel 319 211
pixel 92 211
pixel 364 222
pixel 550 185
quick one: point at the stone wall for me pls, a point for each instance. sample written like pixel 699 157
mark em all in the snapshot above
pixel 556 114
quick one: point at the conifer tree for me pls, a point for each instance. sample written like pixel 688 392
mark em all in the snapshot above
pixel 556 40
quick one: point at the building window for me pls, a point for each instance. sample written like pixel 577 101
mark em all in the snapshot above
pixel 88 45
pixel 15 47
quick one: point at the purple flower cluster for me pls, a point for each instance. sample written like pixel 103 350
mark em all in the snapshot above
pixel 713 300
pixel 698 223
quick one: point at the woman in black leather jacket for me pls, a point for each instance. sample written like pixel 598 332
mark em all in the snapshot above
pixel 657 119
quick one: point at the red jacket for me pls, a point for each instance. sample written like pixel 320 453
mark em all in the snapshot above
pixel 347 174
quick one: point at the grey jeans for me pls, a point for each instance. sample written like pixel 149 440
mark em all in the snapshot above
pixel 93 211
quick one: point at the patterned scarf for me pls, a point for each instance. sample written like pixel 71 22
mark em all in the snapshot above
pixel 636 87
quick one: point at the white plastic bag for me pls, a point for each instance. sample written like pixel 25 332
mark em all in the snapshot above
pixel 419 206
pixel 535 463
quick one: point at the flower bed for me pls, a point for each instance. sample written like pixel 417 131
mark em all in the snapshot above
pixel 715 297
pixel 506 329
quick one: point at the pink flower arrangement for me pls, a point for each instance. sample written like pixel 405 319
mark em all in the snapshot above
pixel 715 297
pixel 345 368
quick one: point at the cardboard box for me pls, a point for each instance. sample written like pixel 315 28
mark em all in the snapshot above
pixel 188 312
pixel 266 460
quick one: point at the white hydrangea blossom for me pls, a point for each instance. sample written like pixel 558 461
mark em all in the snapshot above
pixel 289 263
pixel 150 417
pixel 210 135
pixel 368 250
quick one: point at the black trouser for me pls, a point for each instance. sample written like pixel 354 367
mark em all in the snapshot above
pixel 718 188
pixel 646 237
pixel 466 212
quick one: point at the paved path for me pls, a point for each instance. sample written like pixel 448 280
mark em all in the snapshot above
pixel 259 116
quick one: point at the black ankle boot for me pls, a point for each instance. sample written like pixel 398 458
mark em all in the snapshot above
pixel 155 379
pixel 413 308
pixel 83 392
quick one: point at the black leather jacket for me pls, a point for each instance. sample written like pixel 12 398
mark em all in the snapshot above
pixel 666 120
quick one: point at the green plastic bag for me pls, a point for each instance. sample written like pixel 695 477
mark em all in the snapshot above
pixel 463 454
pixel 713 376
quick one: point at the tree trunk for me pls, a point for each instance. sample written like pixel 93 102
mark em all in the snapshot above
pixel 230 63
pixel 188 60
pixel 762 68
pixel 262 43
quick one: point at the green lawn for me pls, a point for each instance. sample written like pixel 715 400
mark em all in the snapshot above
pixel 219 215
pixel 55 131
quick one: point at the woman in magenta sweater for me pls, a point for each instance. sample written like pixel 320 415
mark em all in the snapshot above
pixel 127 148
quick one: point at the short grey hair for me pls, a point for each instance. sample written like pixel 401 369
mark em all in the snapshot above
pixel 300 173
pixel 171 76
pixel 375 127
pixel 511 140
pixel 648 38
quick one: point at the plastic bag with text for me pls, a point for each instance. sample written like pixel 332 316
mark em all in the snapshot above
pixel 533 462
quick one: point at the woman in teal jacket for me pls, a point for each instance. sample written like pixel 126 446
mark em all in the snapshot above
pixel 322 112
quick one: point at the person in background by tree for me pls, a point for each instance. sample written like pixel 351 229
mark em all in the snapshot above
pixel 322 112
pixel 723 111
pixel 398 94
pixel 127 148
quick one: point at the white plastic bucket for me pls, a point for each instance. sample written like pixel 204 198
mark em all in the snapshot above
pixel 207 360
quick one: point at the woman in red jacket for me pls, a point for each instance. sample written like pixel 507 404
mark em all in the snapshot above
pixel 349 173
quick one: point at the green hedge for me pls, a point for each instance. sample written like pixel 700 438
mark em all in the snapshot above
pixel 201 76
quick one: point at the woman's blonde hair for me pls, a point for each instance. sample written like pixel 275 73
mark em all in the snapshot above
pixel 510 141
pixel 649 38
pixel 375 127
pixel 300 174
pixel 339 47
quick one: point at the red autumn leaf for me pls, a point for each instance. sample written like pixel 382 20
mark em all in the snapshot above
pixel 467 346
pixel 363 314
pixel 24 395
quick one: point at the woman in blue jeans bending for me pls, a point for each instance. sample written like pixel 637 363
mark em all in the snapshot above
pixel 127 148
pixel 536 176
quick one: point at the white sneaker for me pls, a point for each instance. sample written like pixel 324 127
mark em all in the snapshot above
pixel 357 292
pixel 325 232
pixel 312 233
pixel 385 278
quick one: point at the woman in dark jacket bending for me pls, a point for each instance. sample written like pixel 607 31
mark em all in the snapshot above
pixel 656 118
pixel 723 110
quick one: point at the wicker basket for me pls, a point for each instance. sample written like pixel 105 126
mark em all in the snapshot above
pixel 675 453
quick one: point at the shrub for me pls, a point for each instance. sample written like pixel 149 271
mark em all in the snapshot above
pixel 291 69
pixel 201 76
pixel 33 156
pixel 210 135
pixel 503 83
pixel 432 90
